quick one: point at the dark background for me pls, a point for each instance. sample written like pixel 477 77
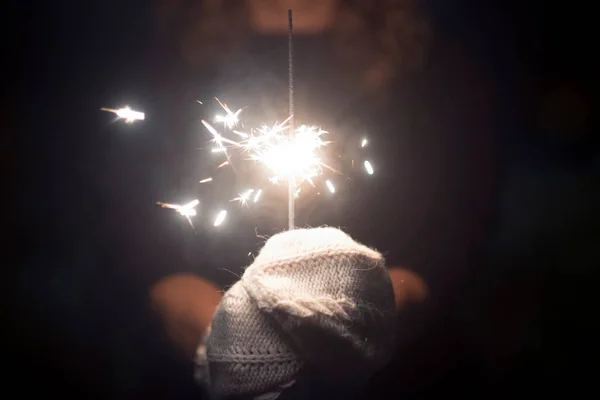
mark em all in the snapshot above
pixel 494 203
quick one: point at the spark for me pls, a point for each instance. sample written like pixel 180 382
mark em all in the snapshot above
pixel 242 134
pixel 187 210
pixel 257 195
pixel 217 137
pixel 369 167
pixel 205 180
pixel 219 150
pixel 220 217
pixel 126 113
pixel 243 197
pixel 231 120
pixel 364 142
pixel 330 186
pixel 224 163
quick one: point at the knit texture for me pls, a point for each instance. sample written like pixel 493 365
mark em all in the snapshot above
pixel 315 301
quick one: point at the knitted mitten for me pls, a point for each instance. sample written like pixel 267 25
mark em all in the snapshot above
pixel 315 301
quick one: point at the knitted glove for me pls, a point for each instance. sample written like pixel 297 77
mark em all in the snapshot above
pixel 315 301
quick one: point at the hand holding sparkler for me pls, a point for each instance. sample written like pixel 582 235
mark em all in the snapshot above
pixel 305 286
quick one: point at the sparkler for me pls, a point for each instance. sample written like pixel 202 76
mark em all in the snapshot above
pixel 126 113
pixel 286 152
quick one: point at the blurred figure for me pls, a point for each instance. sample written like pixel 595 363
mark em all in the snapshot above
pixel 369 66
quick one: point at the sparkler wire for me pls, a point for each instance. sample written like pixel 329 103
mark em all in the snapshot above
pixel 292 179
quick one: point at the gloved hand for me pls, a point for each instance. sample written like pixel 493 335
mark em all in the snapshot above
pixel 314 303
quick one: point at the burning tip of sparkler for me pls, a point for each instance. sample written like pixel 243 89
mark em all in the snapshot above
pixel 368 167
pixel 206 180
pixel 286 156
pixel 220 218
pixel 127 114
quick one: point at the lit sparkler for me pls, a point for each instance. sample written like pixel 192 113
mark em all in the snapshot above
pixel 286 152
pixel 126 113
pixel 290 156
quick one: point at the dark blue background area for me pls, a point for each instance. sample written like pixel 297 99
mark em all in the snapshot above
pixel 471 196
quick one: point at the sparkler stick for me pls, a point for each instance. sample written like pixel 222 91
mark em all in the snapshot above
pixel 291 178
